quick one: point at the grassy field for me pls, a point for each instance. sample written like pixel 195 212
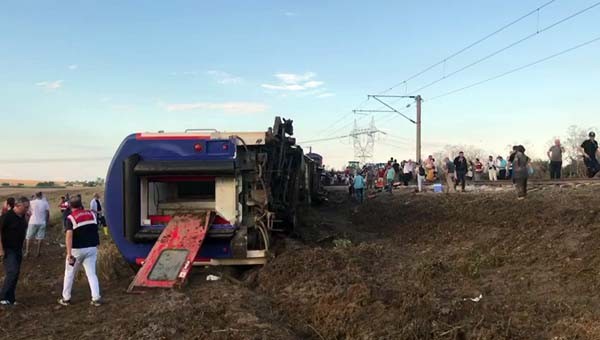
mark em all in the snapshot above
pixel 53 196
pixel 26 182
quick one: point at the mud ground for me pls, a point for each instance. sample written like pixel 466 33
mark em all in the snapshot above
pixel 403 266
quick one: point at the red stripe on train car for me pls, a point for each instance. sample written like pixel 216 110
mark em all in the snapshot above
pixel 140 136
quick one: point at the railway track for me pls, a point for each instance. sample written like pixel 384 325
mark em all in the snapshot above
pixel 544 182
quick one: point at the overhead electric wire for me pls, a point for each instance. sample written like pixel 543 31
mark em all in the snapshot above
pixel 539 61
pixel 464 49
pixel 509 46
pixel 444 60
pixel 323 139
pixel 353 134
pixel 342 117
pixel 394 145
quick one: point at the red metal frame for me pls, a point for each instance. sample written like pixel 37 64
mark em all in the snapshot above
pixel 182 232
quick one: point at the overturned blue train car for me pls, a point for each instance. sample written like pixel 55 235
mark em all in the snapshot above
pixel 254 182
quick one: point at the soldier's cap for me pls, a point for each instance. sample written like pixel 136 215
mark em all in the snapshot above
pixel 592 134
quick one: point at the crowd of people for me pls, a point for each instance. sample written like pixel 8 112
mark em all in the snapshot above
pixel 456 172
pixel 24 221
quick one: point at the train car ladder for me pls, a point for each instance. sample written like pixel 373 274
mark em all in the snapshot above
pixel 169 262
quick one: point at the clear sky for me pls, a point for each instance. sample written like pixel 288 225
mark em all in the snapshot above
pixel 78 76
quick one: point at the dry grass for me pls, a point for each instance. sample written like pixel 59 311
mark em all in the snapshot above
pixel 111 265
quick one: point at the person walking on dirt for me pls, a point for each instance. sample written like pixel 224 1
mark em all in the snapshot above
pixel 390 174
pixel 40 216
pixel 96 208
pixel 430 169
pixel 95 205
pixel 82 240
pixel 13 227
pixel 370 174
pixel 409 170
pixel 421 173
pixel 520 163
pixel 450 175
pixel 462 167
pixel 492 169
pixel 478 170
pixel 65 209
pixel 501 164
pixel 589 149
pixel 398 172
pixel 555 154
pixel 359 187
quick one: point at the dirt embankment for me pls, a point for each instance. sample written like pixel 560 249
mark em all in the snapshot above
pixel 531 267
pixel 472 266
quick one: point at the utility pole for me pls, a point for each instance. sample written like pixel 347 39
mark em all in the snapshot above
pixel 418 99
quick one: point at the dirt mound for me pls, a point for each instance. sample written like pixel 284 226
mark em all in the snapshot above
pixel 446 267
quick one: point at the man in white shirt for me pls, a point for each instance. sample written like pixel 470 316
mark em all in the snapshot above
pixel 40 215
pixel 95 205
pixel 409 170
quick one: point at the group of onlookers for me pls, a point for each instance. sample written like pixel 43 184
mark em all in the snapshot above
pixel 23 220
pixel 457 172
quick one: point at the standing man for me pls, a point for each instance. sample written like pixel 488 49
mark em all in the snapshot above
pixel 555 154
pixel 492 170
pixel 13 226
pixel 95 205
pixel 462 167
pixel 40 216
pixel 390 175
pixel 82 240
pixel 501 164
pixel 450 173
pixel 96 208
pixel 359 187
pixel 65 210
pixel 520 163
pixel 589 149
pixel 420 176
pixel 409 169
pixel 478 170
pixel 370 178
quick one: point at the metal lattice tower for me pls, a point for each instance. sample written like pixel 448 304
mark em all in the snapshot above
pixel 364 141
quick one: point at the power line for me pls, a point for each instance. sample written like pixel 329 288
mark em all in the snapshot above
pixel 353 134
pixel 343 116
pixel 323 139
pixel 537 32
pixel 539 61
pixel 477 42
pixel 394 145
pixel 347 125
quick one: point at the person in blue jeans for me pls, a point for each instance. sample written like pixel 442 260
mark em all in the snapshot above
pixel 13 226
pixel 359 187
